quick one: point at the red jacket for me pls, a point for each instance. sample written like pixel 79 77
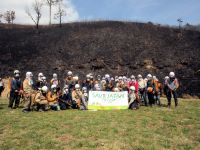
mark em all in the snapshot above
pixel 135 84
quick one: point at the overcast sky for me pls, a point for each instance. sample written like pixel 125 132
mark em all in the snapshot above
pixel 157 11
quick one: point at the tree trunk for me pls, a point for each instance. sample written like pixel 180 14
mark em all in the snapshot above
pixel 60 20
pixel 49 14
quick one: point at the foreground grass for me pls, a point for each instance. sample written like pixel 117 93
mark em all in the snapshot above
pixel 148 128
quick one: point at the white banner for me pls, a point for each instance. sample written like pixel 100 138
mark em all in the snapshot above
pixel 102 100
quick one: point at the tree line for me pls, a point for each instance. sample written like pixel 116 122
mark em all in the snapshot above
pixel 35 12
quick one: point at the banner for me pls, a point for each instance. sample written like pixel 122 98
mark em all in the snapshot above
pixel 102 100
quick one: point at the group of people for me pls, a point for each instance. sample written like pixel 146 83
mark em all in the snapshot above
pixel 42 95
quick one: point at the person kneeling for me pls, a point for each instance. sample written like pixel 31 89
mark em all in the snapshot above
pixel 65 99
pixel 41 102
pixel 52 97
pixel 76 97
pixel 133 101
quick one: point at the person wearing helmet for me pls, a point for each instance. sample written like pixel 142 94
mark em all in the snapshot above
pixel 165 85
pixel 84 100
pixel 150 90
pixel 109 84
pixel 52 97
pixel 15 88
pixel 39 83
pixel 158 90
pixel 1 86
pixel 70 81
pixel 132 99
pixel 55 80
pixel 88 83
pixel 65 99
pixel 142 89
pixel 40 100
pixel 77 97
pixel 173 85
pixel 28 91
pixel 120 84
pixel 134 83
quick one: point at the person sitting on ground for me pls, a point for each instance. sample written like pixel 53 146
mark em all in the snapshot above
pixel 133 100
pixel 1 86
pixel 76 97
pixel 65 99
pixel 52 97
pixel 40 100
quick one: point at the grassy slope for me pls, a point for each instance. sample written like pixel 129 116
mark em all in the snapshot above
pixel 147 128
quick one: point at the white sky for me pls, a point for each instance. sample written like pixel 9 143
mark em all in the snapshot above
pixel 19 7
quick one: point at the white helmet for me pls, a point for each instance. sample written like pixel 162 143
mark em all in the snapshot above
pixel 132 77
pixel 66 87
pixel 53 86
pixel 120 78
pixel 107 76
pixel 69 73
pixel 88 76
pixel 44 89
pixel 84 89
pixel 40 74
pixel 55 75
pixel 139 76
pixel 77 86
pixel 116 90
pixel 149 76
pixel 44 78
pixel 75 78
pixel 97 87
pixel 167 77
pixel 16 72
pixel 132 88
pixel 124 77
pixel 29 74
pixel 171 74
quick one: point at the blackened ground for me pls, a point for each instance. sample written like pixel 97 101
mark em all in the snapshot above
pixel 103 47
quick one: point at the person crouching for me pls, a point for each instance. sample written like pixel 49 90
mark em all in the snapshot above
pixel 41 101
pixel 76 97
pixel 65 99
pixel 133 101
pixel 52 97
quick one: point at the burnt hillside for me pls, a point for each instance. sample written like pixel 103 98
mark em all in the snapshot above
pixel 103 47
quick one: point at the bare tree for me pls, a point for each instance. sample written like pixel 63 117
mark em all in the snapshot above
pixel 50 3
pixel 60 12
pixel 37 6
pixel 7 17
pixel 180 21
pixel 12 16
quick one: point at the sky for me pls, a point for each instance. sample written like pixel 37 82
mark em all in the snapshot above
pixel 156 11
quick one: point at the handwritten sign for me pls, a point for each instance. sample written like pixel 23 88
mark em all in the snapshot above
pixel 102 100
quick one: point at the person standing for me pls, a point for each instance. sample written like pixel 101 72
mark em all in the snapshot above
pixel 173 85
pixel 142 89
pixel 28 91
pixel 150 90
pixel 15 88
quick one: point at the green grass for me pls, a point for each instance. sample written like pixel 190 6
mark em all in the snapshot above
pixel 156 128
